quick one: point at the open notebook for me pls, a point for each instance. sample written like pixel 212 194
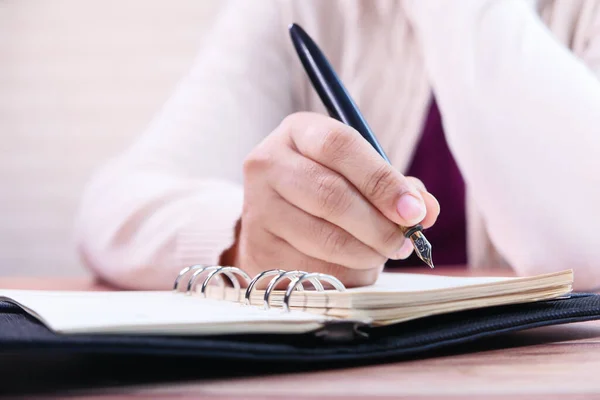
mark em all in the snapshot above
pixel 207 309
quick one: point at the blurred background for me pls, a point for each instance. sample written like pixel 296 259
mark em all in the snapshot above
pixel 78 81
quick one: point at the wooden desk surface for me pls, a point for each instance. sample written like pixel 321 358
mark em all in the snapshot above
pixel 547 363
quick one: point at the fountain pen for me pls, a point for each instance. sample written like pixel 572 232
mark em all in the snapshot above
pixel 340 106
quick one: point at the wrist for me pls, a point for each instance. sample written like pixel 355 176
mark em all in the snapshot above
pixel 229 257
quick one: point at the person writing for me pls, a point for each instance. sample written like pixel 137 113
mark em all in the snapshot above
pixel 490 108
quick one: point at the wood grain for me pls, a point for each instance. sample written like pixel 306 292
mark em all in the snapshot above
pixel 546 363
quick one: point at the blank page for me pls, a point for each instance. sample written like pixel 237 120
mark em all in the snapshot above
pixel 159 312
pixel 408 282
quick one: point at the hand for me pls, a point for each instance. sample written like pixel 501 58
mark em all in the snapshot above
pixel 319 198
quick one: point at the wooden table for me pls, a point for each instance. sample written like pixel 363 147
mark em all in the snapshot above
pixel 547 363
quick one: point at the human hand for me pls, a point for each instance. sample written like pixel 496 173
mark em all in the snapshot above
pixel 319 198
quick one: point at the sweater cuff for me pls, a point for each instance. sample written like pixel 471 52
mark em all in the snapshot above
pixel 204 241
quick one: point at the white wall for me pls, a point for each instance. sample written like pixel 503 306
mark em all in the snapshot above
pixel 78 80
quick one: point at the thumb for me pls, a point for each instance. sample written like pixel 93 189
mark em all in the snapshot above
pixel 410 206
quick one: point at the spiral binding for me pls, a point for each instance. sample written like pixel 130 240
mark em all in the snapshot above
pixel 295 277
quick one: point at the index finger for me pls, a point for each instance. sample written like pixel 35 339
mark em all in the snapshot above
pixel 342 149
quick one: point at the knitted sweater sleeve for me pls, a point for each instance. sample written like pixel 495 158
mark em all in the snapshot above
pixel 522 116
pixel 173 198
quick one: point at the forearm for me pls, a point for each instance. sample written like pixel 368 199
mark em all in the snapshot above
pixel 173 198
pixel 522 116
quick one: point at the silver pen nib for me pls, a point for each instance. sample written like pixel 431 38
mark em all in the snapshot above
pixel 422 247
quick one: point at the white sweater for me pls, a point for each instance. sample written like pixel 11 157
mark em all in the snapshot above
pixel 517 84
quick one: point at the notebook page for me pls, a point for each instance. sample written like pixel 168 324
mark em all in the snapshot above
pixel 403 289
pixel 406 282
pixel 153 312
pixel 387 283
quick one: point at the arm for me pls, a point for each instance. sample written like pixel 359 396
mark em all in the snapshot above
pixel 522 116
pixel 174 197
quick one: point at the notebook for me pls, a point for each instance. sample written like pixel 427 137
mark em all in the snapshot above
pixel 226 301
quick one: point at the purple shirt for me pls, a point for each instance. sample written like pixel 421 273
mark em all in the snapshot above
pixel 434 165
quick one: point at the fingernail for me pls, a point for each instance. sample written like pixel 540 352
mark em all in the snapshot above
pixel 411 209
pixel 404 252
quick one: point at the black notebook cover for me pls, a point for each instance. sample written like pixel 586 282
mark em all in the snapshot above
pixel 21 332
pixel 35 360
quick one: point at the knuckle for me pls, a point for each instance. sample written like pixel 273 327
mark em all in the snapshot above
pixel 377 262
pixel 367 280
pixel 332 195
pixel 289 121
pixel 352 277
pixel 337 142
pixel 365 262
pixel 334 240
pixel 379 183
pixel 371 260
pixel 258 160
pixel 392 240
pixel 296 122
pixel 367 277
pixel 417 183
